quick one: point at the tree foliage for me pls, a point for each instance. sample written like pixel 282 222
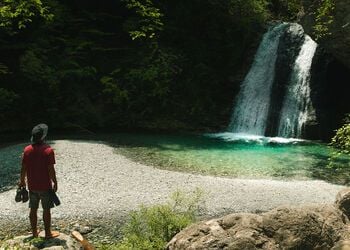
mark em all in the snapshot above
pixel 341 140
pixel 148 22
pixel 289 10
pixel 17 14
pixel 324 18
pixel 129 63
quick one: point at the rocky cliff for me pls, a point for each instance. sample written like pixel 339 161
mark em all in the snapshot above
pixel 338 42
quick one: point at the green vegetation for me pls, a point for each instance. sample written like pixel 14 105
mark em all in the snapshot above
pixel 289 10
pixel 153 227
pixel 324 18
pixel 28 243
pixel 129 64
pixel 148 24
pixel 17 14
pixel 341 141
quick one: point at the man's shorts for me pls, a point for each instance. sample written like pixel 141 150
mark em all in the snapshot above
pixel 35 197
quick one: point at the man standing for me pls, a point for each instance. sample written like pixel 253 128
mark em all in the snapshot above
pixel 38 166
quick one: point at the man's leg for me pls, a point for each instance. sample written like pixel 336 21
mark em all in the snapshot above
pixel 33 214
pixel 33 217
pixel 47 204
pixel 47 222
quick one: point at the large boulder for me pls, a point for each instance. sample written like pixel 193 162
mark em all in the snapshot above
pixel 307 227
pixel 62 242
pixel 338 42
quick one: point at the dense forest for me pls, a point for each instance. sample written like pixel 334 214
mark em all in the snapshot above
pixel 130 64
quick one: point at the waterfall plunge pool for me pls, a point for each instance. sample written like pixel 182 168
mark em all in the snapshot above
pixel 237 156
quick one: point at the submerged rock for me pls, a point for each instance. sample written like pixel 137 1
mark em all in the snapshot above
pixel 306 227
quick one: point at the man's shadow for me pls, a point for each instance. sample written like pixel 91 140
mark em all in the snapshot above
pixel 40 242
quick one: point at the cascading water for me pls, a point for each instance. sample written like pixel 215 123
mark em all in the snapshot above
pixel 296 104
pixel 252 105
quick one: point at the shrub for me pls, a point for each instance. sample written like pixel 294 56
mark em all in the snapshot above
pixel 152 227
pixel 340 141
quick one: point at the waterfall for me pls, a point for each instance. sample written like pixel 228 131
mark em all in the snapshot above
pixel 271 102
pixel 296 104
pixel 253 101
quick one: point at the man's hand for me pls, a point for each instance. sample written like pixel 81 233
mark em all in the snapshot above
pixel 21 183
pixel 52 175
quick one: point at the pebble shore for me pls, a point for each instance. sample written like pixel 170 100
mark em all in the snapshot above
pixel 98 187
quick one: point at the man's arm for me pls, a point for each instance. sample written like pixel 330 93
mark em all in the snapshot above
pixel 52 175
pixel 22 181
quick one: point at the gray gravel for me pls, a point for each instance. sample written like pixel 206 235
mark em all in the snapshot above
pixel 97 182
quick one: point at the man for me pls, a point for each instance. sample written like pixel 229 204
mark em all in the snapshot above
pixel 38 166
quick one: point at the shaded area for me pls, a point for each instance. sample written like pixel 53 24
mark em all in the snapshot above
pixel 10 165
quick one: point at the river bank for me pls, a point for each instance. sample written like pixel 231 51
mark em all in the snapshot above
pixel 98 187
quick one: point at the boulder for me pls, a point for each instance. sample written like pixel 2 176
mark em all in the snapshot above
pixel 62 242
pixel 304 227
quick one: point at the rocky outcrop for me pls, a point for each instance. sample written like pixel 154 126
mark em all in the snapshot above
pixel 338 42
pixel 308 227
pixel 62 242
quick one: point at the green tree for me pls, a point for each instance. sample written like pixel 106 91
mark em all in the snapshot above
pixel 324 18
pixel 147 23
pixel 17 14
pixel 287 10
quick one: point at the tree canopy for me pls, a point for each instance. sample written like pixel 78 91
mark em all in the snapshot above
pixel 128 63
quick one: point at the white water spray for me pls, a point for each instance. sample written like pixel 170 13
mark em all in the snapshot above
pixel 253 101
pixel 297 103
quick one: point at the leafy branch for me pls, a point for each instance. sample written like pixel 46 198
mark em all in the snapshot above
pixel 149 21
pixel 324 18
pixel 19 13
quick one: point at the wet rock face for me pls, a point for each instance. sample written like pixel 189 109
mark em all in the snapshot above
pixel 338 43
pixel 288 50
pixel 308 227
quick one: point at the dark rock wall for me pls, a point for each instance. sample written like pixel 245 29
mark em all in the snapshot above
pixel 330 85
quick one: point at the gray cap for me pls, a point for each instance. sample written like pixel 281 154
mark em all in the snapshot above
pixel 39 133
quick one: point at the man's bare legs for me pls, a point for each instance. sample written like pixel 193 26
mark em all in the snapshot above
pixel 33 217
pixel 47 222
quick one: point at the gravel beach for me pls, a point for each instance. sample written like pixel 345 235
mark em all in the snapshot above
pixel 97 185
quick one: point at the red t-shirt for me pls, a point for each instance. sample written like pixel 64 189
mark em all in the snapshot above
pixel 37 158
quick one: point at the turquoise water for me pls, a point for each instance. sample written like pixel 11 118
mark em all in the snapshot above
pixel 235 155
